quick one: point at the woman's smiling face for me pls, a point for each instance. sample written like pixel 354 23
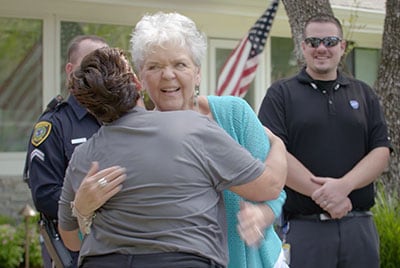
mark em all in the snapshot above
pixel 170 76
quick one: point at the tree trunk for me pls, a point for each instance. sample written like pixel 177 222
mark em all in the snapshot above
pixel 388 88
pixel 298 13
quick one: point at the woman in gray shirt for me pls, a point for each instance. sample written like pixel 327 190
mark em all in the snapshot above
pixel 170 212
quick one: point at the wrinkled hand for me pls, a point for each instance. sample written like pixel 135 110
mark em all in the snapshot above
pixel 91 194
pixel 332 196
pixel 252 221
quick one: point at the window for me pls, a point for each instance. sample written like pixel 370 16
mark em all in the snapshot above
pixel 20 80
pixel 366 61
pixel 24 61
pixel 283 60
pixel 21 61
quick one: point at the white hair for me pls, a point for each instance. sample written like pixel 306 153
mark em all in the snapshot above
pixel 166 28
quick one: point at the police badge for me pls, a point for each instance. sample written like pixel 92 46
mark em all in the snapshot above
pixel 40 133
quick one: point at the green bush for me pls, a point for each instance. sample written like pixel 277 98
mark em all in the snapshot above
pixel 7 220
pixel 12 239
pixel 11 250
pixel 387 220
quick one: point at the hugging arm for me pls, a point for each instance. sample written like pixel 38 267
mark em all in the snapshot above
pixel 264 145
pixel 91 195
pixel 264 214
pixel 87 199
pixel 253 136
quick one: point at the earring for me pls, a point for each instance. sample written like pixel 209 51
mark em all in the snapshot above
pixel 196 94
pixel 141 94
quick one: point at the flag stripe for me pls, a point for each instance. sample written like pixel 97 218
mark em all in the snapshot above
pixel 234 63
pixel 234 79
pixel 240 68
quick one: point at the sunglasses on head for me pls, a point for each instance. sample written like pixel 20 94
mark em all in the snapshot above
pixel 329 41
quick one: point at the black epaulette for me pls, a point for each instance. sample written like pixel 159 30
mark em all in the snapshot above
pixel 54 103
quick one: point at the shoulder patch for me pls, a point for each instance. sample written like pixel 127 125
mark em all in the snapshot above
pixel 40 132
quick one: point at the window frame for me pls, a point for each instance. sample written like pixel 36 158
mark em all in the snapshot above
pixel 12 163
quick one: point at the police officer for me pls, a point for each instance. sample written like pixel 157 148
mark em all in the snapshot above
pixel 63 126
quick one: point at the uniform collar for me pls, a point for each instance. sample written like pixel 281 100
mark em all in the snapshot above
pixel 78 109
pixel 305 78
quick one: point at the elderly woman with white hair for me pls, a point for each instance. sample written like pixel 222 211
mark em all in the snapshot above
pixel 167 50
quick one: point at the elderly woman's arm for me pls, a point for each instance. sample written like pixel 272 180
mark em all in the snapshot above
pixel 92 194
pixel 263 215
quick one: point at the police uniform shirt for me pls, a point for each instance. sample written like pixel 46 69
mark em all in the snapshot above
pixel 53 140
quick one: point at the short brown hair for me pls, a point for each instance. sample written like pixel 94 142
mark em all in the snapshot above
pixel 105 84
pixel 323 18
pixel 74 44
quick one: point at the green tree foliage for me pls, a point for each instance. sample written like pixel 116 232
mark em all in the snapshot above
pixel 387 220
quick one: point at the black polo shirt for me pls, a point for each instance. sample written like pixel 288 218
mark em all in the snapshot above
pixel 328 126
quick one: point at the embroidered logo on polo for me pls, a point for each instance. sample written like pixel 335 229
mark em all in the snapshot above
pixel 354 104
pixel 40 132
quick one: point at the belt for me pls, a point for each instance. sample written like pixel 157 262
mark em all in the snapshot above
pixel 162 259
pixel 327 217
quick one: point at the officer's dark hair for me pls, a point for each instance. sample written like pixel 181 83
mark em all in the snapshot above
pixel 105 84
pixel 74 44
pixel 323 18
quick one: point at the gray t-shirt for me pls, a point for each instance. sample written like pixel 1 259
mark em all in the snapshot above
pixel 177 163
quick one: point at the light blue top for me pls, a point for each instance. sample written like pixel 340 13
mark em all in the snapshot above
pixel 238 119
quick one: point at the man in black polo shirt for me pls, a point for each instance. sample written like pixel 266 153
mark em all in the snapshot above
pixel 337 143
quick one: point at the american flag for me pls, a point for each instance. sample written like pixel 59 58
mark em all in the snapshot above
pixel 240 68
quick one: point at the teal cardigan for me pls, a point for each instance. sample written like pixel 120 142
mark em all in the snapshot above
pixel 239 120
